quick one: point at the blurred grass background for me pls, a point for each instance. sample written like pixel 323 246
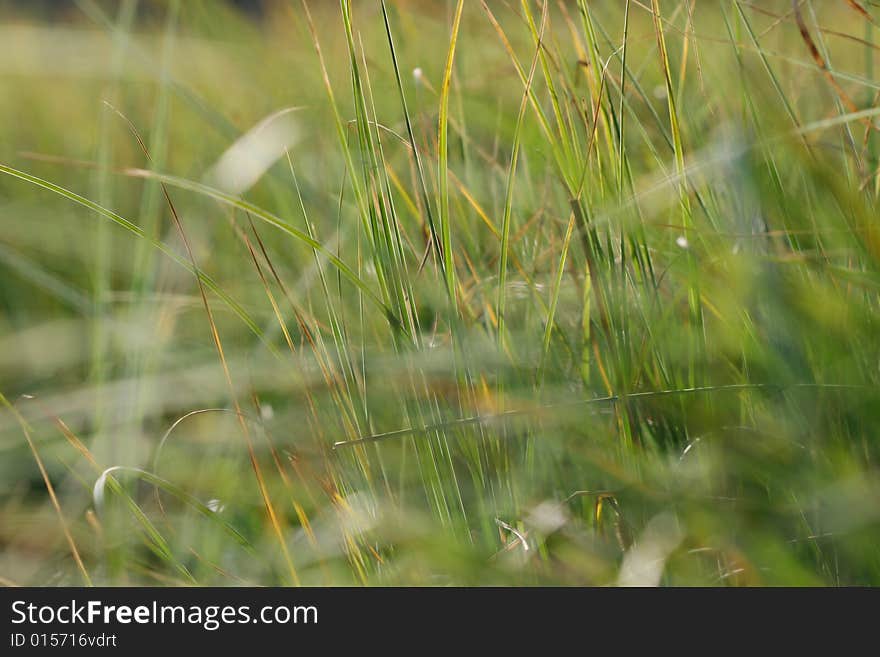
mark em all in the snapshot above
pixel 621 310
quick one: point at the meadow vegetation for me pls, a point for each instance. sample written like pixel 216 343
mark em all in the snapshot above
pixel 512 292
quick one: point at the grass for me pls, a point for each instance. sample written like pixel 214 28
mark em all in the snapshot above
pixel 481 293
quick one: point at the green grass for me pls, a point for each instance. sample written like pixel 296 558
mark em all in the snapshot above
pixel 502 293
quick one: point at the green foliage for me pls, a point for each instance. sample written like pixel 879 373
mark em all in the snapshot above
pixel 522 293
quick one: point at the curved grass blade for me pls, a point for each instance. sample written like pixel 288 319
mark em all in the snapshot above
pixel 175 491
pixel 272 219
pixel 136 230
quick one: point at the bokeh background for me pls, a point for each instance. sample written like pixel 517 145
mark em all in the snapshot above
pixel 683 386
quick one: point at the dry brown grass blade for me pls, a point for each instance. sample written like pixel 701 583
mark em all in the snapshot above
pixel 76 443
pixel 218 344
pixel 820 61
pixel 314 421
pixel 49 488
pixel 275 309
pixel 860 10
